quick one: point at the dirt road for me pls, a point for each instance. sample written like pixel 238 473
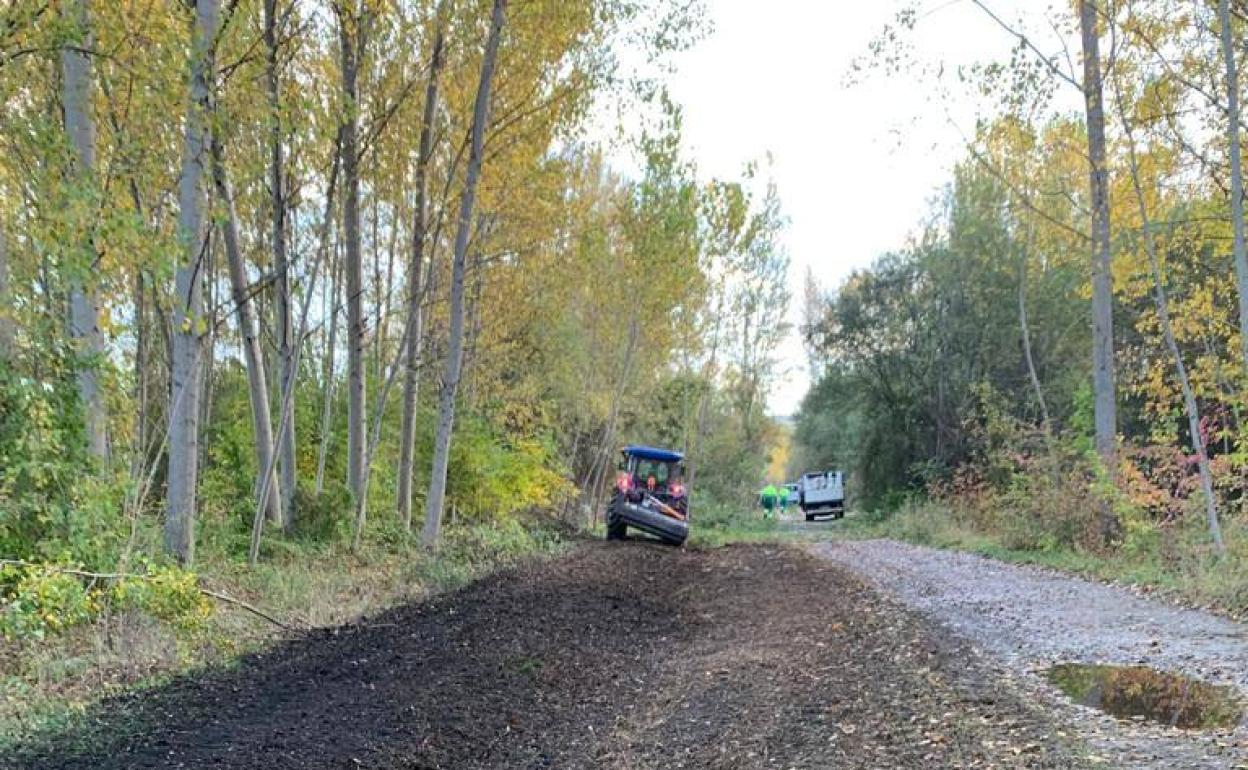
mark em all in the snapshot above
pixel 625 655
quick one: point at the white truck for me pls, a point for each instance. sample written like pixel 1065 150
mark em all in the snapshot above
pixel 822 494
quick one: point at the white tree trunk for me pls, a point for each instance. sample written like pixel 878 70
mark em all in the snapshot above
pixel 281 266
pixel 1163 314
pixel 84 308
pixel 1025 329
pixel 415 293
pixel 1105 406
pixel 188 315
pixel 352 40
pixel 455 345
pixel 253 357
pixel 1237 174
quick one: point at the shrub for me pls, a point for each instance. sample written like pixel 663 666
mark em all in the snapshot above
pixel 41 599
pixel 55 502
pixel 323 517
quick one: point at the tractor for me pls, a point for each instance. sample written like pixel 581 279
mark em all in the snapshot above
pixel 650 495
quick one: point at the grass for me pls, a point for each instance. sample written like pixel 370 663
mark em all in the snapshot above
pixel 717 524
pixel 1176 561
pixel 45 684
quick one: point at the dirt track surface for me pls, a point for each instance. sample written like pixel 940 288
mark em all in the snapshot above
pixel 625 655
pixel 1026 619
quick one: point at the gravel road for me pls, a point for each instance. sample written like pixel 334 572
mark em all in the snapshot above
pixel 1025 619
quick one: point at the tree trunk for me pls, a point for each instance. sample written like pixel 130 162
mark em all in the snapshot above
pixel 188 316
pixel 84 307
pixel 1025 329
pixel 1102 287
pixel 1163 314
pixel 285 415
pixel 208 348
pixel 327 403
pixel 704 401
pixel 281 266
pixel 598 471
pixel 415 293
pixel 253 357
pixel 1237 174
pixel 455 344
pixel 142 378
pixel 379 412
pixel 352 39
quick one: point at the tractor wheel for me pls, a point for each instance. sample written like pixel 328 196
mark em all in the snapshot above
pixel 615 527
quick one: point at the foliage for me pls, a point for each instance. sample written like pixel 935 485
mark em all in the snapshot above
pixel 48 598
pixel 53 502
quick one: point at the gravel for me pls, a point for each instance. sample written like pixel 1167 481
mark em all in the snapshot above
pixel 1025 619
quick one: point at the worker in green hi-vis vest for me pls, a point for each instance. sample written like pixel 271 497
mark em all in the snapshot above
pixel 768 498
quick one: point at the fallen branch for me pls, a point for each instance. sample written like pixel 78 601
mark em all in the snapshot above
pixel 249 607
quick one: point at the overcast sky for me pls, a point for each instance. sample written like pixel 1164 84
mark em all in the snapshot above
pixel 856 164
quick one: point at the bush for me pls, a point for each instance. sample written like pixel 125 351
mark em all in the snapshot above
pixel 41 600
pixel 167 593
pixel 324 517
pixel 56 504
pixel 46 598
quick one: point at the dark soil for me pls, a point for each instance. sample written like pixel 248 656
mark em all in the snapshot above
pixel 622 655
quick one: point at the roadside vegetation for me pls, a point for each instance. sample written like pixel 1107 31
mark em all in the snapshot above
pixel 1053 369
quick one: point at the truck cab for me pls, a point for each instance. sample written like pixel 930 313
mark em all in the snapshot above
pixel 822 494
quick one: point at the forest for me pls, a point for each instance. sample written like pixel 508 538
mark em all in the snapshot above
pixel 1055 363
pixel 307 303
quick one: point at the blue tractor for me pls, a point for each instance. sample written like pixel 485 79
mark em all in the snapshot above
pixel 650 495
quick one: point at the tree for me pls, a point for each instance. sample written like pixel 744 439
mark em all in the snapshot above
pixel 253 356
pixel 1162 303
pixel 1236 173
pixel 1106 419
pixel 352 35
pixel 281 268
pixel 416 268
pixel 84 309
pixel 455 346
pixel 188 312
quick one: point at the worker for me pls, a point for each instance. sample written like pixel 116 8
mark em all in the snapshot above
pixel 782 497
pixel 768 498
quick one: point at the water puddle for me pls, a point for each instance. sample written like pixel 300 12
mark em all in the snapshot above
pixel 1139 692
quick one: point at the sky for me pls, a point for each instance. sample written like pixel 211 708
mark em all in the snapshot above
pixel 856 163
